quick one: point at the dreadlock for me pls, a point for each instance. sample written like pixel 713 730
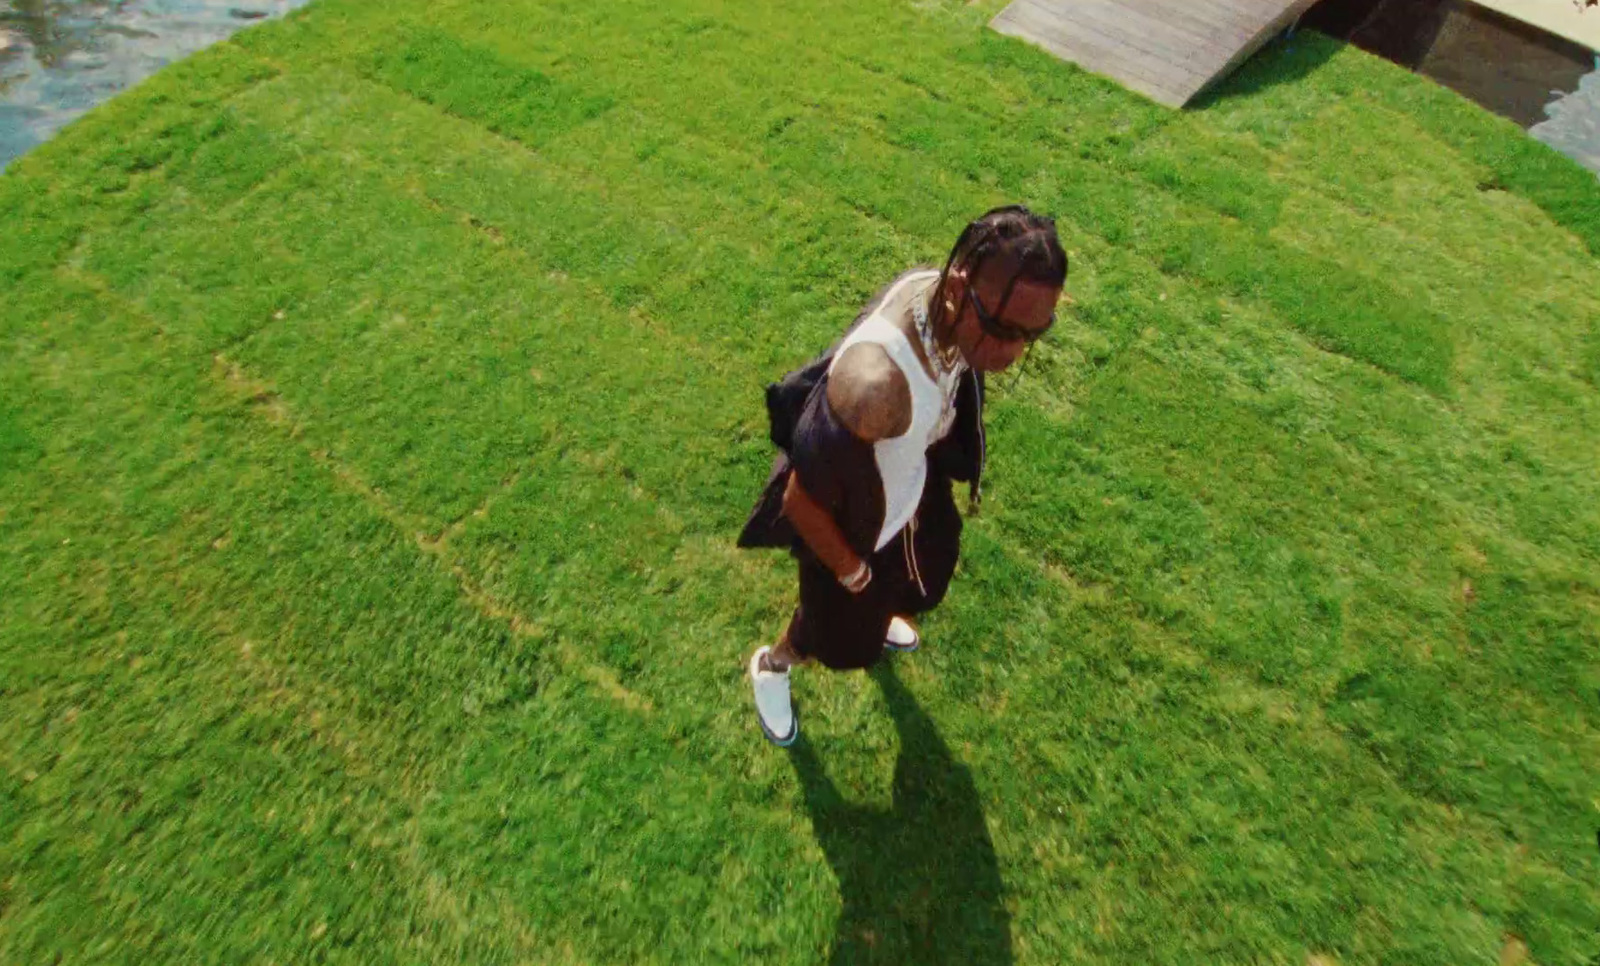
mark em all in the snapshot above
pixel 1018 236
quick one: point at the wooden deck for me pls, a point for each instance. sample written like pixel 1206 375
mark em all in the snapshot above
pixel 1168 50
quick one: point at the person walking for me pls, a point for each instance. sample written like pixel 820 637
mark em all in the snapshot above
pixel 872 434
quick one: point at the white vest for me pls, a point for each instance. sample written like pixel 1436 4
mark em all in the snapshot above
pixel 903 460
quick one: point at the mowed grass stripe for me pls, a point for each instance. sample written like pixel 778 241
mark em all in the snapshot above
pixel 452 707
pixel 239 737
pixel 1312 620
pixel 1389 331
pixel 1380 327
pixel 541 319
pixel 316 647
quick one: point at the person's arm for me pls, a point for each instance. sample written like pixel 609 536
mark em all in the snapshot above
pixel 817 528
pixel 868 395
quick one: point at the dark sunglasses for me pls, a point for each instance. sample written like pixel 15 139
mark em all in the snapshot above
pixel 1000 328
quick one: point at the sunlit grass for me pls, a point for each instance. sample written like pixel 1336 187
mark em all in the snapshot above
pixel 380 394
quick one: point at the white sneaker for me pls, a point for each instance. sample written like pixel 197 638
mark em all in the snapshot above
pixel 902 636
pixel 773 708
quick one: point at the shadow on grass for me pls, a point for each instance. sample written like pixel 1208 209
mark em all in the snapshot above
pixel 1283 60
pixel 920 882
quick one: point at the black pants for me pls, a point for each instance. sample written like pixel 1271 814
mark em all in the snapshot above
pixel 909 576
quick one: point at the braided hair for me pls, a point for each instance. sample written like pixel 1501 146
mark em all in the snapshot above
pixel 1026 240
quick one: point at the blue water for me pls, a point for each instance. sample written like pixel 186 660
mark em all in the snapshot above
pixel 1573 125
pixel 58 58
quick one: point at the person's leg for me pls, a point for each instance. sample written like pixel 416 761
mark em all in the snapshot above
pixel 934 546
pixel 782 656
pixel 839 629
pixel 929 548
pixel 901 634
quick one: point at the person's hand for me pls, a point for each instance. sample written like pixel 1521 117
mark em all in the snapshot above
pixel 857 580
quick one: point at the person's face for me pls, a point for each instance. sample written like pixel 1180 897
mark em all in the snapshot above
pixel 990 338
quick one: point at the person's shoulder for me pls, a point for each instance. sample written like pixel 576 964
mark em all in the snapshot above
pixel 868 393
pixel 907 283
pixel 867 390
pixel 896 292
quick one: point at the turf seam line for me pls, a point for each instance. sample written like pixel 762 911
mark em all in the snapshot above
pixel 265 400
pixel 870 214
pixel 454 528
pixel 482 225
pixel 1536 707
pixel 467 217
pixel 479 225
pixel 585 177
pixel 1306 713
pixel 793 180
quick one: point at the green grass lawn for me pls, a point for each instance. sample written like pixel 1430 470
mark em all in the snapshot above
pixel 380 395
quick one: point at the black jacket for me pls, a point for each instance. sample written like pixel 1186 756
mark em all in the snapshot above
pixel 838 470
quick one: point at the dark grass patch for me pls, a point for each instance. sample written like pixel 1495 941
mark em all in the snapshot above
pixel 42 225
pixel 18 449
pixel 474 83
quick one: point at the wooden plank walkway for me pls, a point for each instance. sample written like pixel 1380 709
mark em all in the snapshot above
pixel 1168 50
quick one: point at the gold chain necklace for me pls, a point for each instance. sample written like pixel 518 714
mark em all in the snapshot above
pixel 945 362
